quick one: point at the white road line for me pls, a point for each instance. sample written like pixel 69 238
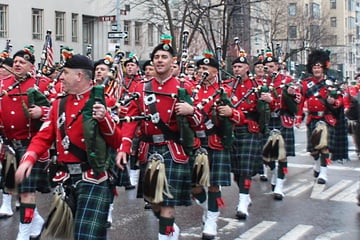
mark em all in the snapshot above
pixel 291 187
pixel 297 165
pixel 329 235
pixel 256 231
pixel 300 190
pixel 317 190
pixel 348 195
pixel 332 190
pixel 297 232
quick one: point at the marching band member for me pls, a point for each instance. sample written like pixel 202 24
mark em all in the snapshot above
pixel 320 120
pixel 82 165
pixel 211 134
pixel 160 141
pixel 21 117
pixel 286 97
pixel 248 135
pixel 352 111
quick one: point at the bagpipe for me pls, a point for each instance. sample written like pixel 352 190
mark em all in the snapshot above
pixel 186 134
pixel 125 101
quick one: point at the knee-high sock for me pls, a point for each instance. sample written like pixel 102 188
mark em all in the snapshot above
pixel 213 205
pixel 282 170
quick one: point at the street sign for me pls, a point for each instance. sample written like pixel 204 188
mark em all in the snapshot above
pixel 107 18
pixel 113 35
pixel 114 27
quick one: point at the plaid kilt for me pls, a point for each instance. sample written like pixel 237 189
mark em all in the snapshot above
pixel 38 179
pixel 220 166
pixel 92 207
pixel 340 150
pixel 331 135
pixel 178 178
pixel 287 134
pixel 246 154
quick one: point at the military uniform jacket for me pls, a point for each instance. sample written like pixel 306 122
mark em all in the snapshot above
pixel 317 103
pixel 50 130
pixel 276 87
pixel 16 125
pixel 247 106
pixel 166 109
pixel 214 141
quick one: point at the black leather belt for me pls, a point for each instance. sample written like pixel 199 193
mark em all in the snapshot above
pixel 17 143
pixel 74 168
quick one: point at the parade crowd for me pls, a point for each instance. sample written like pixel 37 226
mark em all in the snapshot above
pixel 174 129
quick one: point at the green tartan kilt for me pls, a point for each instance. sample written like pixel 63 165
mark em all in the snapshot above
pixel 38 179
pixel 287 134
pixel 92 207
pixel 246 155
pixel 220 166
pixel 178 178
pixel 331 135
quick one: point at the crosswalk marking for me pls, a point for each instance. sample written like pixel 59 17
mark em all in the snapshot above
pixel 256 231
pixel 329 235
pixel 299 190
pixel 330 191
pixel 297 232
pixel 348 195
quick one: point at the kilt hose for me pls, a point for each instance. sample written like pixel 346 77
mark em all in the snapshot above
pixel 38 179
pixel 331 135
pixel 178 178
pixel 246 155
pixel 220 166
pixel 340 150
pixel 92 207
pixel 287 134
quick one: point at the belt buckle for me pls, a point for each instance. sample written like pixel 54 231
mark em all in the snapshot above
pixel 158 138
pixel 274 114
pixel 200 134
pixel 74 168
pixel 16 143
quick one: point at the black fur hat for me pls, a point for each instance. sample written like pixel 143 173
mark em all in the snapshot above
pixel 318 56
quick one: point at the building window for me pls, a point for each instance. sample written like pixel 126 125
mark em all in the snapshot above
pixel 59 26
pixel 127 25
pixel 351 23
pixel 3 21
pixel 150 35
pixel 292 9
pixel 138 26
pixel 37 23
pixel 314 31
pixel 333 39
pixel 74 27
pixel 333 21
pixel 315 10
pixel 306 11
pixel 292 32
pixel 332 4
pixel 351 5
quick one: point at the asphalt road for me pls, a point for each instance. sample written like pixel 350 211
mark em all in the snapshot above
pixel 309 211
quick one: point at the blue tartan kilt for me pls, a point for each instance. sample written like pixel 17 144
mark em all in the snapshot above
pixel 178 178
pixel 246 154
pixel 331 135
pixel 220 166
pixel 287 134
pixel 38 179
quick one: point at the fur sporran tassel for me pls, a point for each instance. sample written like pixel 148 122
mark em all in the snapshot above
pixel 10 169
pixel 60 223
pixel 201 169
pixel 274 147
pixel 319 137
pixel 155 180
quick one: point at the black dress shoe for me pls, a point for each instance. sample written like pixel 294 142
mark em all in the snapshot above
pixel 129 187
pixel 263 178
pixel 147 206
pixel 316 174
pixel 207 237
pixel 240 215
pixel 278 196
pixel 321 181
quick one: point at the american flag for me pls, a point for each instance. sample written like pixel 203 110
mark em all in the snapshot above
pixel 49 51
